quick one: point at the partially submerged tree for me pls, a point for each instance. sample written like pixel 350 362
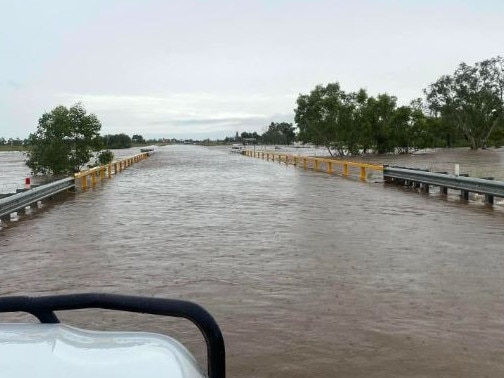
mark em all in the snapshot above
pixel 137 139
pixel 279 133
pixel 105 157
pixel 64 141
pixel 471 99
pixel 320 117
pixel 117 141
pixel 350 123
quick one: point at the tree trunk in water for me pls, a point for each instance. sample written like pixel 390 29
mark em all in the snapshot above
pixel 474 143
pixel 495 123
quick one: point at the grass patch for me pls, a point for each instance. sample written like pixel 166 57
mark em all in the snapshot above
pixel 12 148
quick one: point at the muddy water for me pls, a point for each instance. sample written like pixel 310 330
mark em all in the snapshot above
pixel 309 275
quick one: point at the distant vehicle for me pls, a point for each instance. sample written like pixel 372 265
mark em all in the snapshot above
pixel 237 148
pixel 149 150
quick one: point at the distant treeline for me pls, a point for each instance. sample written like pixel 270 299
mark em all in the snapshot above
pixel 462 109
pixel 12 142
pixel 115 141
pixel 277 133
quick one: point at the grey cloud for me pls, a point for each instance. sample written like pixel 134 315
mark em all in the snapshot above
pixel 226 121
pixel 209 121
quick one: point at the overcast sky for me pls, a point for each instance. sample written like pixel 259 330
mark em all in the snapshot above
pixel 198 69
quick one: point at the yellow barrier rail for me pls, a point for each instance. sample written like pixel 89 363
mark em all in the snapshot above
pixel 317 164
pixel 89 177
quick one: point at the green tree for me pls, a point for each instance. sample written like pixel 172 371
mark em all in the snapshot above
pixel 471 100
pixel 105 157
pixel 64 141
pixel 15 142
pixel 334 119
pixel 137 139
pixel 378 116
pixel 279 133
pixel 317 116
pixel 117 141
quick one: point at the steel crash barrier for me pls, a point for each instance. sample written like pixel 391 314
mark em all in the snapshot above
pixel 20 201
pixel 90 177
pixel 424 180
pixel 25 199
pixel 317 164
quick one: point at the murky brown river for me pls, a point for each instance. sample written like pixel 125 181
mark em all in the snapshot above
pixel 308 275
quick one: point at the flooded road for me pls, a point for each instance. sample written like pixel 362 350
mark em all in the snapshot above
pixel 308 275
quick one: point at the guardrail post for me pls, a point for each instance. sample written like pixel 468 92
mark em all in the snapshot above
pixel 464 194
pixel 363 173
pixel 109 171
pixel 84 181
pixel 316 164
pixel 329 167
pixel 345 169
pixel 304 163
pixel 102 173
pixel 488 197
pixel 295 161
pixel 93 178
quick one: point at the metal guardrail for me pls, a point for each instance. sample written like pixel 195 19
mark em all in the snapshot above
pixel 103 171
pixel 315 163
pixel 466 185
pixel 21 200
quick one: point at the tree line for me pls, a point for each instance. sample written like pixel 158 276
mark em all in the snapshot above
pixel 464 108
pixel 12 142
pixel 461 109
pixel 67 139
pixel 277 133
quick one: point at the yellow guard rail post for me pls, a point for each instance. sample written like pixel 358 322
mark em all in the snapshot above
pixel 318 163
pixel 93 173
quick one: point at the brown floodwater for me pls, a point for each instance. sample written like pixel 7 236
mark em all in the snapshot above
pixel 308 275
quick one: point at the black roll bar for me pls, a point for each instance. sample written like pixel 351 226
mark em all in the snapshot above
pixel 43 309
